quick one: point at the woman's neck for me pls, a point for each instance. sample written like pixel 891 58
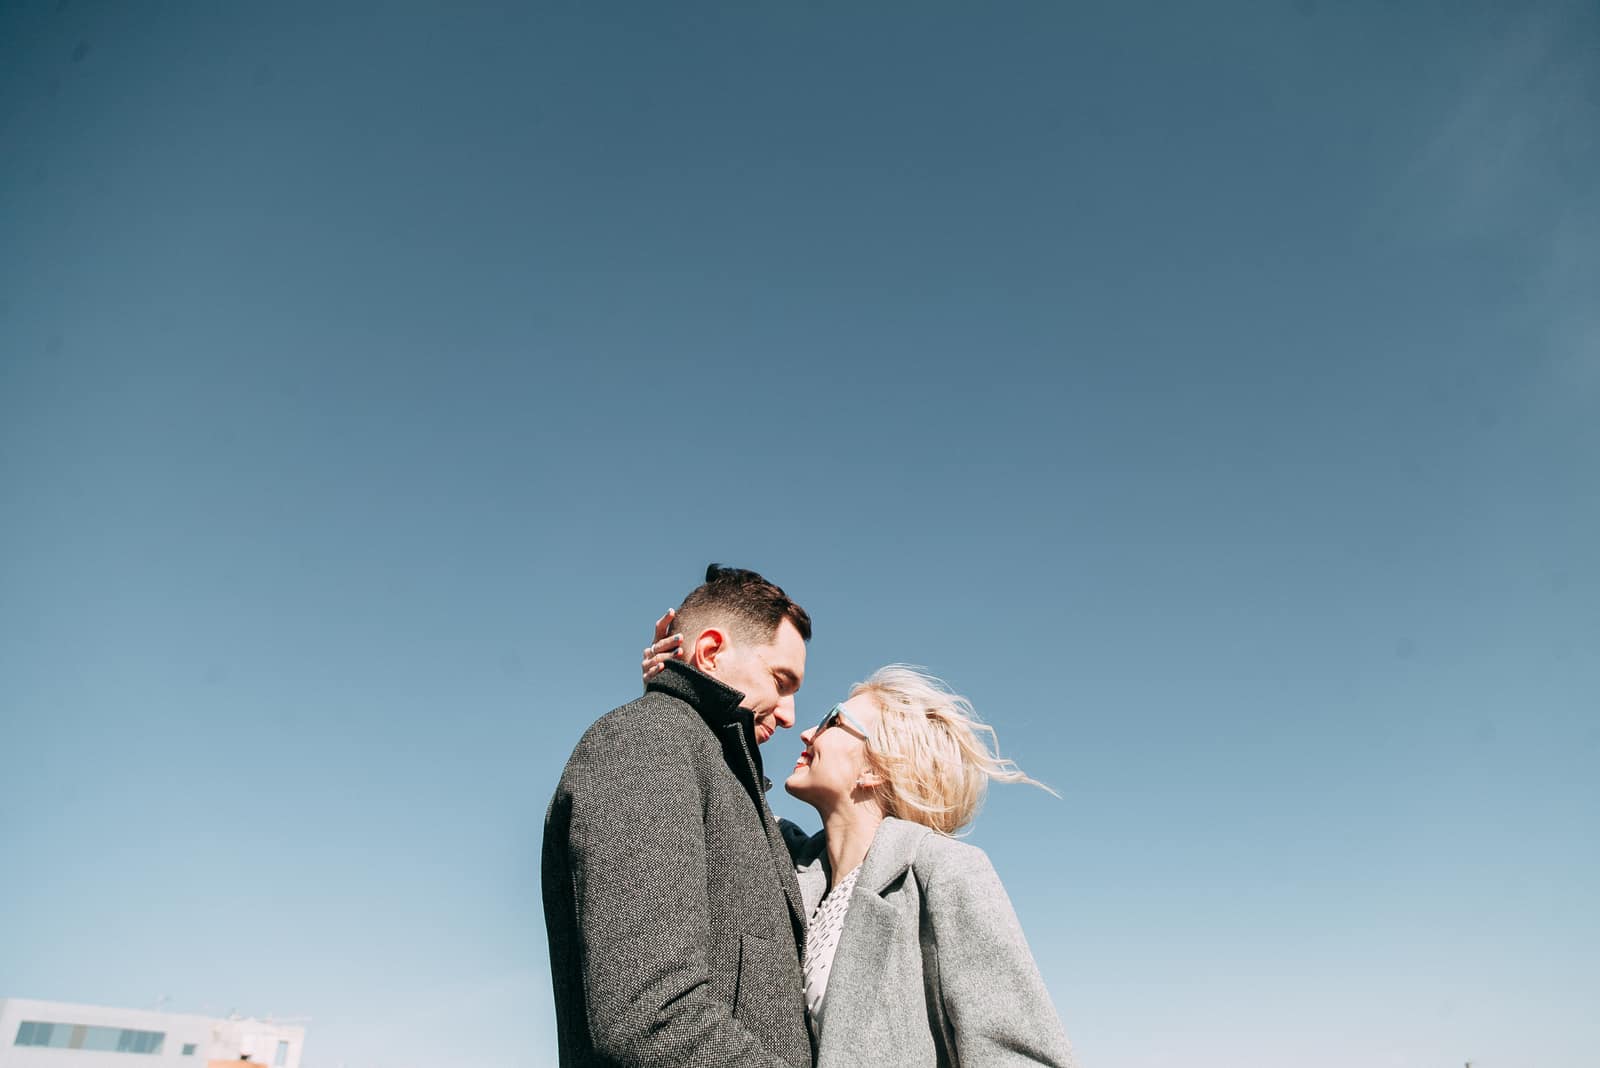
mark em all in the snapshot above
pixel 850 828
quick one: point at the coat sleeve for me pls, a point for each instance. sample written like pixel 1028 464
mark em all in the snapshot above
pixel 796 839
pixel 999 1011
pixel 636 842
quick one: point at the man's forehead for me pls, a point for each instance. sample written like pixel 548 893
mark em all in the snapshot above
pixel 787 650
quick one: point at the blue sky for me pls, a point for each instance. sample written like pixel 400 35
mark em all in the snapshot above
pixel 1210 392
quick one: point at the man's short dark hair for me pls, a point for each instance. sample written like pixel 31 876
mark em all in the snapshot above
pixel 743 601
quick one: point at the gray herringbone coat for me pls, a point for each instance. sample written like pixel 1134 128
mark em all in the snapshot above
pixel 669 896
pixel 932 968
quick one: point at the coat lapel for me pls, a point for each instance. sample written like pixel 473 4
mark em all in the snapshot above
pixel 812 875
pixel 737 743
pixel 867 938
pixel 858 965
pixel 786 874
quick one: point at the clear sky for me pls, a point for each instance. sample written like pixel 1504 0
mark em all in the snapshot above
pixel 1210 391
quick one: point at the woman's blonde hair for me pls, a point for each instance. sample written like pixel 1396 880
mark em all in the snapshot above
pixel 934 756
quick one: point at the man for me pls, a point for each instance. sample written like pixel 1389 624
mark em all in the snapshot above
pixel 669 896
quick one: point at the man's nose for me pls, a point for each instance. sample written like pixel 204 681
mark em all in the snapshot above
pixel 785 712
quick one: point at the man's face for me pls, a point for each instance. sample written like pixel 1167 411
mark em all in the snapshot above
pixel 768 676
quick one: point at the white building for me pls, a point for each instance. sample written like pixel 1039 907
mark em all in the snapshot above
pixel 57 1034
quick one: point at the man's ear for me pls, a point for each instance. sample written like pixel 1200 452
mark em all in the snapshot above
pixel 708 647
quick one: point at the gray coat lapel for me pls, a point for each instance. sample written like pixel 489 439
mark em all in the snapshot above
pixel 721 709
pixel 783 867
pixel 869 932
pixel 812 873
pixel 868 929
pixel 810 856
pixel 798 913
pixel 894 847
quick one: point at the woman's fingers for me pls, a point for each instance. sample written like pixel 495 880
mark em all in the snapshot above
pixel 658 652
pixel 664 624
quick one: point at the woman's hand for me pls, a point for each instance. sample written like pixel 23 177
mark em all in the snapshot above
pixel 664 647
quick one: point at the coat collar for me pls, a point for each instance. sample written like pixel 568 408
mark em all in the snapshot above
pixel 894 847
pixel 719 705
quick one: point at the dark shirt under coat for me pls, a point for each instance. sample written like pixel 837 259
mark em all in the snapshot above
pixel 670 899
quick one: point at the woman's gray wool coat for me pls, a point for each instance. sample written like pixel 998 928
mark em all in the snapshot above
pixel 932 967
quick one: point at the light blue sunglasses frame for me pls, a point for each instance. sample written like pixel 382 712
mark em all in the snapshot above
pixel 837 716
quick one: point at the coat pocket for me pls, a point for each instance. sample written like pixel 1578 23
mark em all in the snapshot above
pixel 761 976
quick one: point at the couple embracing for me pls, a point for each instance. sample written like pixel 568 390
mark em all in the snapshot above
pixel 689 927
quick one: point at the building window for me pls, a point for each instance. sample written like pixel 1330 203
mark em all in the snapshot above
pixel 101 1038
pixel 282 1056
pixel 82 1036
pixel 38 1033
pixel 139 1041
pixel 188 1049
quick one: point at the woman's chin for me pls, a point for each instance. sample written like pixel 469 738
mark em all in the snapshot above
pixel 817 796
pixel 795 785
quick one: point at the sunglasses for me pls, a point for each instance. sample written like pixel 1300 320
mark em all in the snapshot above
pixel 838 717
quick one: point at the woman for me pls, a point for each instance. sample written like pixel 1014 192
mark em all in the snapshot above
pixel 913 953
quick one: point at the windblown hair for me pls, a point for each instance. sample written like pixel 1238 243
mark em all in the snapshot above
pixel 934 755
pixel 744 602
